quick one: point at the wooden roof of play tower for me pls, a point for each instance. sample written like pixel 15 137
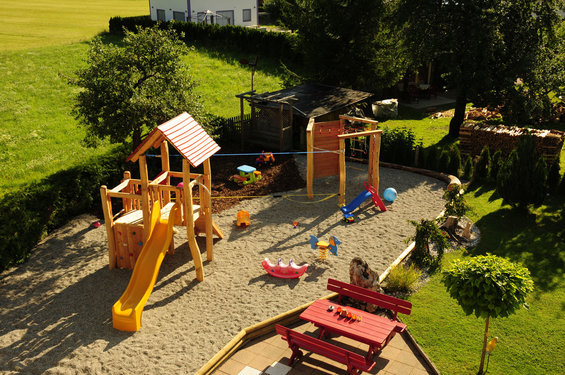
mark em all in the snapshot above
pixel 185 135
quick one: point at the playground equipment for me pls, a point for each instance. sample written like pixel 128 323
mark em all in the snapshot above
pixel 126 312
pixel 324 246
pixel 247 175
pixel 331 136
pixel 266 158
pixel 284 271
pixel 130 228
pixel 242 219
pixel 390 194
pixel 369 192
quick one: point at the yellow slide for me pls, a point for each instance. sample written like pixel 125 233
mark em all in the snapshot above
pixel 126 313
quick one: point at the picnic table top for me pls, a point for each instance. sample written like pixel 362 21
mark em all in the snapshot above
pixel 371 329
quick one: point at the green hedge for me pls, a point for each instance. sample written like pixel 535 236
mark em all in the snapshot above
pixel 30 213
pixel 279 45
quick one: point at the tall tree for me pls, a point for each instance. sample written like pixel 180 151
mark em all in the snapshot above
pixel 347 42
pixel 487 45
pixel 489 287
pixel 127 89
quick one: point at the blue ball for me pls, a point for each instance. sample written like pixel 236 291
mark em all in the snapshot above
pixel 390 194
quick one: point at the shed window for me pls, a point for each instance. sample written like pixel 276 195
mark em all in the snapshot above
pixel 246 15
pixel 161 15
pixel 178 16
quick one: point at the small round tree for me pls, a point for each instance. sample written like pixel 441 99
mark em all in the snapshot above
pixel 127 90
pixel 489 287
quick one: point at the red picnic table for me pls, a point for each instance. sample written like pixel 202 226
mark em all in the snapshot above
pixel 371 329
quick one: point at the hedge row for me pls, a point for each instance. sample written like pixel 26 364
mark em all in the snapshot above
pixel 30 213
pixel 279 45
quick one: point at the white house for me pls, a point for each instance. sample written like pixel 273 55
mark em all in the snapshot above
pixel 222 12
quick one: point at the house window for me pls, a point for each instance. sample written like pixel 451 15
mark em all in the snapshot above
pixel 201 17
pixel 178 16
pixel 161 15
pixel 247 15
pixel 224 17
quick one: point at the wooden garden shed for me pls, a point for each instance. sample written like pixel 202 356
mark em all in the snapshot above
pixel 279 119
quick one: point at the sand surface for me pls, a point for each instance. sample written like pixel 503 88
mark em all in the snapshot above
pixel 55 310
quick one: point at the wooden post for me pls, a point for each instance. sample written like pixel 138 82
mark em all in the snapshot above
pixel 241 115
pixel 189 220
pixel 206 208
pixel 281 132
pixel 341 171
pixel 376 157
pixel 166 167
pixel 310 158
pixel 127 203
pixel 145 202
pixel 107 208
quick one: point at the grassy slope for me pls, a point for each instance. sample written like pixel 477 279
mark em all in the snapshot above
pixel 40 23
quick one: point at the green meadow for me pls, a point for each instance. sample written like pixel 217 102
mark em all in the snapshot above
pixel 41 23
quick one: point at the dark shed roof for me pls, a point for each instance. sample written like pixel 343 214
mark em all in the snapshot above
pixel 313 99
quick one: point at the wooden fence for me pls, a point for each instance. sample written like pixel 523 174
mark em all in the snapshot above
pixel 474 136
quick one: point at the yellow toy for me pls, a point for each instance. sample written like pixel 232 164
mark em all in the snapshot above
pixel 243 219
pixel 126 313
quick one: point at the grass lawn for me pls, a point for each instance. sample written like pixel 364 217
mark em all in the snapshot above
pixel 530 340
pixel 40 23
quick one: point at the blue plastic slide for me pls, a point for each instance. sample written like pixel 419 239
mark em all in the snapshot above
pixel 356 202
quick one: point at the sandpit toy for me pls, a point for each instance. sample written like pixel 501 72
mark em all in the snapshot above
pixel 266 158
pixel 242 218
pixel 284 271
pixel 390 194
pixel 324 246
pixel 247 175
pixel 370 192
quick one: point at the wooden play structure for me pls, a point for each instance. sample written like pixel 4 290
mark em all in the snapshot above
pixel 331 136
pixel 129 228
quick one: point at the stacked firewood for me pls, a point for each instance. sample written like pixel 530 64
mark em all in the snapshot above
pixel 475 135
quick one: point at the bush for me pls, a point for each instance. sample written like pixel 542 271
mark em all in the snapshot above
pixel 402 279
pixel 274 44
pixel 561 187
pixel 444 161
pixel 30 213
pixel 398 146
pixel 553 176
pixel 481 168
pixel 432 159
pixel 454 167
pixel 428 233
pixel 522 178
pixel 468 168
pixel 495 164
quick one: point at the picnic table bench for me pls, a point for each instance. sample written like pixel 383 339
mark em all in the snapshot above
pixel 395 305
pixel 356 363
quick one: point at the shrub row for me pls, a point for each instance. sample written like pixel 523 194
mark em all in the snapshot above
pixel 278 45
pixel 30 213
